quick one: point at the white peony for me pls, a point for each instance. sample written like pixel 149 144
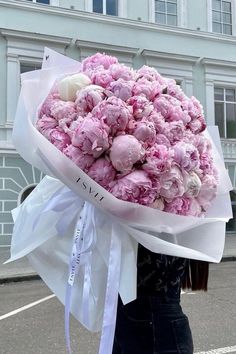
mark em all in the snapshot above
pixel 68 86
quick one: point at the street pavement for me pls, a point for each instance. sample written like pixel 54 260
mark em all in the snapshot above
pixel 28 327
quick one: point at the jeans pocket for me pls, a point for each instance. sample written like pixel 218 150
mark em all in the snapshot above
pixel 183 335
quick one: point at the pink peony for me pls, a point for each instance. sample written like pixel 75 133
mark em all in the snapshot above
pixel 175 90
pixel 149 89
pixel 63 109
pixel 100 77
pixel 159 160
pixel 47 104
pixel 97 60
pixel 150 74
pixel 186 156
pixel 135 187
pixel 183 206
pixel 66 123
pixel 208 191
pixel 158 121
pixel 192 184
pixel 83 161
pixel 145 132
pixel 91 136
pixel 89 97
pixel 206 163
pixel 125 151
pixel 172 183
pixel 114 112
pixel 170 108
pixel 161 139
pixel 46 124
pixel 120 71
pixel 121 89
pixel 202 144
pixel 197 123
pixel 174 131
pixel 69 125
pixel 142 107
pixel 158 204
pixel 60 139
pixel 102 172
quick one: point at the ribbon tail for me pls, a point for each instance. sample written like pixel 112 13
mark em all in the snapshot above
pixel 67 317
pixel 111 298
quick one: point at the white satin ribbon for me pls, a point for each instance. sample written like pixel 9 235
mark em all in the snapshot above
pixel 113 280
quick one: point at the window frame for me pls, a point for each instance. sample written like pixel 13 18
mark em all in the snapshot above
pixel 122 8
pixel 181 13
pixel 225 87
pixel 210 18
pixel 166 13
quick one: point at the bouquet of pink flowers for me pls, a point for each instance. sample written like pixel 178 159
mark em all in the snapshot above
pixel 129 160
pixel 135 133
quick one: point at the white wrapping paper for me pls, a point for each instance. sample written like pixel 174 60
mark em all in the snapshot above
pixel 45 222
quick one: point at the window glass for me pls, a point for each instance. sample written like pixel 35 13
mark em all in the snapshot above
pixel 219 118
pixel 112 7
pixel 160 6
pixel 160 18
pixel 230 95
pixel 227 29
pixel 216 5
pixel 98 6
pixel 25 67
pixel 43 1
pixel 216 15
pixel 171 20
pixel 226 6
pixel 217 27
pixel 219 94
pixel 226 18
pixel 171 8
pixel 231 120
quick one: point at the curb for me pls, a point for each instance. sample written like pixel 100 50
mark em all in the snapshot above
pixel 228 259
pixel 19 278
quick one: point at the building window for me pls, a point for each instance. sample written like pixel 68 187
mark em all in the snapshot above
pixel 222 16
pixel 225 111
pixel 106 7
pixel 47 2
pixel 25 193
pixel 25 67
pixel 166 12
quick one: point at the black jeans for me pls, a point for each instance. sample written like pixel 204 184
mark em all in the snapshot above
pixel 149 325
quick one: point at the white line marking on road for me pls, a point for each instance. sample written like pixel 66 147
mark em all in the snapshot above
pixel 187 292
pixel 220 350
pixel 12 313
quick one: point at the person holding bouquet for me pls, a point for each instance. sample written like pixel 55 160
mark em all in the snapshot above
pixel 154 323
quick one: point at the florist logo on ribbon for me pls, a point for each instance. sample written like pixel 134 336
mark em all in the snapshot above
pixel 90 190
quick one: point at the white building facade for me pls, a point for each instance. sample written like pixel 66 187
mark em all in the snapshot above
pixel 190 41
